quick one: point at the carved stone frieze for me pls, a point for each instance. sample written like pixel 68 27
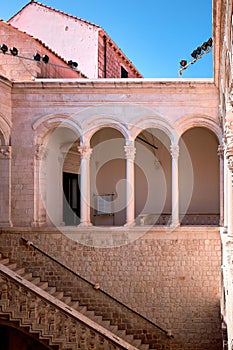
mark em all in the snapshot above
pixel 130 151
pixel 228 144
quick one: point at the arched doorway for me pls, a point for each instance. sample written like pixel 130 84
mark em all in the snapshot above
pixel 199 192
pixel 152 178
pixel 71 184
pixel 59 177
pixel 108 187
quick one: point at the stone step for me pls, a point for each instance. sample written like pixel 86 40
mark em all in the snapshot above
pixel 97 319
pixel 89 314
pixel 66 299
pixel 58 295
pixel 34 280
pixel 5 261
pixel 105 324
pixel 27 275
pixel 19 270
pixel 43 285
pixel 121 333
pixel 113 328
pixel 82 309
pixel 74 304
pixel 136 342
pixel 130 339
pixel 50 290
pixel 144 347
pixel 11 266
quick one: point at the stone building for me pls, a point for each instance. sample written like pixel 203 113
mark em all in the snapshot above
pixel 114 192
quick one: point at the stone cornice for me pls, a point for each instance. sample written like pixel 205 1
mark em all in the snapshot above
pixel 136 83
pixel 5 81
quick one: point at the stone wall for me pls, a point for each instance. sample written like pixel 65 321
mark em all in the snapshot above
pixel 173 278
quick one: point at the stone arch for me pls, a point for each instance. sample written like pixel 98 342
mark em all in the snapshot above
pixel 5 130
pixel 48 130
pixel 153 169
pixel 101 123
pixel 5 166
pixel 199 174
pixel 193 121
pixel 155 122
pixel 46 124
pixel 108 157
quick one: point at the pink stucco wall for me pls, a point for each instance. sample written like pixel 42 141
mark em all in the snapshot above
pixel 71 38
pixel 23 67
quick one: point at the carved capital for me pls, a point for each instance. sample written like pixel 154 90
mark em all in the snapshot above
pixel 5 152
pixel 220 151
pixel 174 149
pixel 85 152
pixel 40 151
pixel 130 151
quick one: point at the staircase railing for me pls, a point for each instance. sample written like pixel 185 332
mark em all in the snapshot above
pixel 168 333
pixel 42 314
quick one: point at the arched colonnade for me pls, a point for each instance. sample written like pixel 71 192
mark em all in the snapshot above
pixel 111 161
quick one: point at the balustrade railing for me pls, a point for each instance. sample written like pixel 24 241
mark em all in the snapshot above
pixel 192 219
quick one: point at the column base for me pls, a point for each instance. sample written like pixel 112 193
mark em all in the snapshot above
pixel 38 224
pixel 6 224
pixel 85 224
pixel 174 225
pixel 130 224
pixel 224 230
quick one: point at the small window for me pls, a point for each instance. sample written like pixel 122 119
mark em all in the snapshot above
pixel 124 73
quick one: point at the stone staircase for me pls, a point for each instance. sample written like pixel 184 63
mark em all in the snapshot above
pixel 79 316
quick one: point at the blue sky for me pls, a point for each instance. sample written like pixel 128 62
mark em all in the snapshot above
pixel 154 34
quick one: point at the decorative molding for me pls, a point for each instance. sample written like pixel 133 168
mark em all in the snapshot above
pixel 130 151
pixel 5 152
pixel 228 143
pixel 85 152
pixel 220 151
pixel 174 150
pixel 40 151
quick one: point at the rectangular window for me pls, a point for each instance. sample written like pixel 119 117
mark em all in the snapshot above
pixel 124 73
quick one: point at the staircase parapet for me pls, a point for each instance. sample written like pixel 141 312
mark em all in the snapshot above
pixel 62 325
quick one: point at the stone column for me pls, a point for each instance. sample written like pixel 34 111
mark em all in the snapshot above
pixel 175 185
pixel 85 152
pixel 229 161
pixel 221 183
pixel 130 151
pixel 230 196
pixel 5 186
pixel 225 189
pixel 39 212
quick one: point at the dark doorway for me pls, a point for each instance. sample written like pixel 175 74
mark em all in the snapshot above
pixel 71 202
